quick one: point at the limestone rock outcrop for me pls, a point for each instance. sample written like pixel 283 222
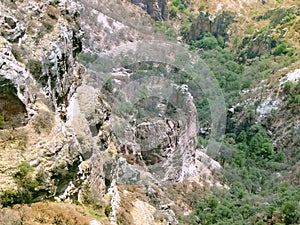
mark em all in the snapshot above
pixel 66 132
pixel 215 24
pixel 38 75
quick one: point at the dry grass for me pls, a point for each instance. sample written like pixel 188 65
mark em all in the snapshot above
pixel 12 146
pixel 43 122
pixel 45 213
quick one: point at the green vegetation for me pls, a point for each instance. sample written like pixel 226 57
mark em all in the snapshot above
pixel 107 210
pixel 252 167
pixel 173 11
pixel 238 206
pixel 206 41
pixel 178 6
pixel 9 198
pixel 260 191
pixel 228 72
pixel 108 84
pixel 293 93
pixel 25 192
pixel 257 194
pixel 280 49
pixel 1 121
pixel 202 6
pixel 87 58
pixel 278 15
pixel 95 213
pixel 35 68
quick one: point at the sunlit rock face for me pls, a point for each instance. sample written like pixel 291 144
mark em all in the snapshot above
pixel 39 74
pixel 46 39
pixel 163 136
pixel 65 115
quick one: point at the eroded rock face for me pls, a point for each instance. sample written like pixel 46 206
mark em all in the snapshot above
pixel 215 24
pixel 11 108
pixel 255 46
pixel 48 39
pixel 161 149
pixel 16 85
pixel 70 138
pixel 38 76
pixel 11 29
pixel 157 9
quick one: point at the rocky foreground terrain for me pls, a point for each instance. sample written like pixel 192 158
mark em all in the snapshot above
pixel 149 112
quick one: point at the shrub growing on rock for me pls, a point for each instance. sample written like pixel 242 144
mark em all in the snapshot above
pixel 1 121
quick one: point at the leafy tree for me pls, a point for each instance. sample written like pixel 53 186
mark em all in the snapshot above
pixel 206 42
pixel 242 137
pixel 290 212
pixel 213 202
pixel 267 149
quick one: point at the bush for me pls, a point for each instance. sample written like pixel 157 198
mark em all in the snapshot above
pixel 107 210
pixel 176 2
pixel 25 187
pixel 281 49
pixel 108 85
pixel 202 6
pixel 173 11
pixel 206 42
pixel 87 58
pixel 185 28
pixel 9 198
pixel 288 87
pixel 24 170
pixel 221 41
pixel 95 213
pixel 1 121
pixel 290 211
pixel 181 7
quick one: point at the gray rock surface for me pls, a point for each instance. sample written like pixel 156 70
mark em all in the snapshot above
pixel 157 9
pixel 71 136
pixel 215 24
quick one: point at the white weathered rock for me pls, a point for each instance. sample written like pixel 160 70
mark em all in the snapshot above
pixel 292 76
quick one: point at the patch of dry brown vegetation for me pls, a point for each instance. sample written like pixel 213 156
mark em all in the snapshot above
pixel 129 194
pixel 45 213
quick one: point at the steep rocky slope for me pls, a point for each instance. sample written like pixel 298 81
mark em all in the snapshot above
pixel 57 132
pixel 82 120
pixel 38 66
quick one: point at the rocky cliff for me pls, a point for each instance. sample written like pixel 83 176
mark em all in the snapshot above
pixel 57 115
pixel 216 24
pixel 91 113
pixel 38 67
pixel 158 10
